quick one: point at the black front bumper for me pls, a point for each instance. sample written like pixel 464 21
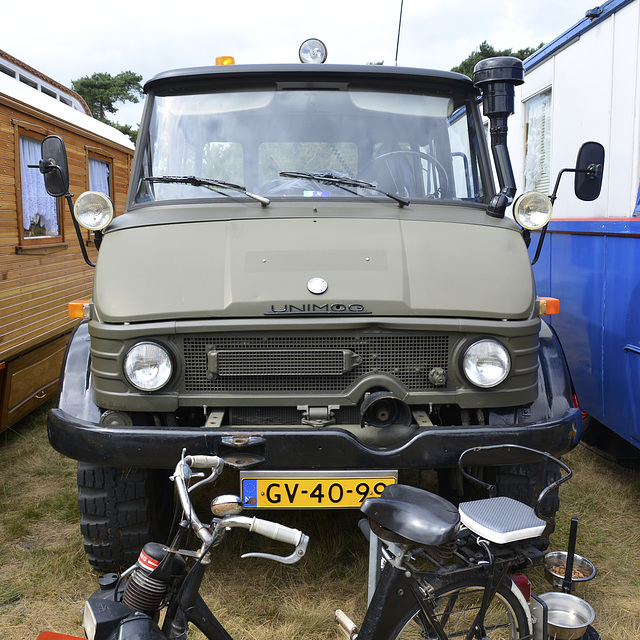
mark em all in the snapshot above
pixel 299 448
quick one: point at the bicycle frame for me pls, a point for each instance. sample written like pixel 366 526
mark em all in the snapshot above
pixel 401 589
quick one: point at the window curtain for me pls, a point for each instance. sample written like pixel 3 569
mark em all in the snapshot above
pixel 39 209
pixel 99 176
pixel 538 151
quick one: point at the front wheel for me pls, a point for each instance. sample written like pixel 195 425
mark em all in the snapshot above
pixel 120 511
pixel 456 608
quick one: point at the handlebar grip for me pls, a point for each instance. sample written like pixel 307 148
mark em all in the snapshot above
pixel 276 531
pixel 204 462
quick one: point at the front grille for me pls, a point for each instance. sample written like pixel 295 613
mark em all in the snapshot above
pixel 309 363
pixel 278 362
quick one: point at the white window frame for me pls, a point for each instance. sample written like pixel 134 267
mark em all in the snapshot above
pixel 35 203
pixel 537 160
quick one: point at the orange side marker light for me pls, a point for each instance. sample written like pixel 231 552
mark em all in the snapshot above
pixel 79 309
pixel 548 306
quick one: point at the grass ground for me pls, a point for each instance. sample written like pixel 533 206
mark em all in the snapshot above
pixel 45 577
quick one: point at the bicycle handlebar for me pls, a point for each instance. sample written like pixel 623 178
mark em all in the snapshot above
pixel 265 528
pixel 203 462
pixel 276 531
pixel 271 530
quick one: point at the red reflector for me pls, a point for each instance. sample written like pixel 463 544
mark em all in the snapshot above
pixel 576 405
pixel 522 582
pixel 52 635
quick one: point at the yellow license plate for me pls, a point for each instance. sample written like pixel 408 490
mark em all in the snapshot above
pixel 312 489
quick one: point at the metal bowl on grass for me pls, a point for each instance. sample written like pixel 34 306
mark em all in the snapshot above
pixel 554 568
pixel 569 616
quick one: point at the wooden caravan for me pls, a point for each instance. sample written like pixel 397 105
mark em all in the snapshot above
pixel 41 265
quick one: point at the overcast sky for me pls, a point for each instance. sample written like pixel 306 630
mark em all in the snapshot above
pixel 72 38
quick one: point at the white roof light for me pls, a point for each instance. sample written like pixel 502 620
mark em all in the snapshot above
pixel 313 51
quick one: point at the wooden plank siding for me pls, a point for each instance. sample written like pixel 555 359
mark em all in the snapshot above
pixel 38 277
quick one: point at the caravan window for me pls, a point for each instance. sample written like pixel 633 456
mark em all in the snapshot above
pixel 99 175
pixel 39 211
pixel 538 143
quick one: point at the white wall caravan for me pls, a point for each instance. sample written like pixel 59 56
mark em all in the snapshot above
pixel 585 85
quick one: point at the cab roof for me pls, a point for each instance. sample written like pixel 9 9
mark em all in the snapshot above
pixel 183 79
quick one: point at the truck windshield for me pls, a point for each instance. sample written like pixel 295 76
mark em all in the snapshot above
pixel 278 144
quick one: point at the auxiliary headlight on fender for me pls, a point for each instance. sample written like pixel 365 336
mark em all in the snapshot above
pixel 93 210
pixel 532 210
pixel 486 363
pixel 148 366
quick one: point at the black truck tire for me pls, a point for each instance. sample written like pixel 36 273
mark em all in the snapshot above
pixel 120 511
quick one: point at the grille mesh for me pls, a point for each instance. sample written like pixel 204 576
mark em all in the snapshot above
pixel 309 363
pixel 273 362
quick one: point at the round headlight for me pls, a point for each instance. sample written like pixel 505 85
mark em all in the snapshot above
pixel 93 210
pixel 532 210
pixel 486 363
pixel 148 366
pixel 313 51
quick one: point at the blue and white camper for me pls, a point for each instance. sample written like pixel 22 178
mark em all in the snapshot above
pixel 585 85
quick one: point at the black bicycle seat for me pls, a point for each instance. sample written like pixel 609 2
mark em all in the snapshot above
pixel 413 514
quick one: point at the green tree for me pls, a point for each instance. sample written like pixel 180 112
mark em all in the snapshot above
pixel 485 50
pixel 102 91
pixel 127 129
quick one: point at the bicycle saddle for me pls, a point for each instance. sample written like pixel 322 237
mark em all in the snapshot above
pixel 413 514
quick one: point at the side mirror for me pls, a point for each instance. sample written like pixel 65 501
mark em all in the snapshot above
pixel 588 182
pixel 589 169
pixel 54 166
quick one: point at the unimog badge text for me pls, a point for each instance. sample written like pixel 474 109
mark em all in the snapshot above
pixel 310 309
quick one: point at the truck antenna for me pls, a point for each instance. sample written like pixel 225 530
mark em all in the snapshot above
pixel 399 25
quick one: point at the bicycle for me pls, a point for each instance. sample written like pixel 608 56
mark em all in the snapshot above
pixel 448 571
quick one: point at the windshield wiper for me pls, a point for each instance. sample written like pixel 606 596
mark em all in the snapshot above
pixel 215 185
pixel 343 182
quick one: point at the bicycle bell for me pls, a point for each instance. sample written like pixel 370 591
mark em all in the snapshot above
pixel 226 505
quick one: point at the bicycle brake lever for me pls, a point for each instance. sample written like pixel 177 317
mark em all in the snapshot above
pixel 297 554
pixel 210 478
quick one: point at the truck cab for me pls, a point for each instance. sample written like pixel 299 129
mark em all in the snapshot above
pixel 316 278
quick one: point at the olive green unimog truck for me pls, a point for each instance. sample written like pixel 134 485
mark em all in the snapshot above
pixel 315 277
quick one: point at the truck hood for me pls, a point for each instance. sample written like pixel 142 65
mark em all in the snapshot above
pixel 262 267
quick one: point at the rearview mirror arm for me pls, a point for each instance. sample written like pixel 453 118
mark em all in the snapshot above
pixel 543 233
pixel 49 166
pixel 45 166
pixel 552 197
pixel 593 171
pixel 68 197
